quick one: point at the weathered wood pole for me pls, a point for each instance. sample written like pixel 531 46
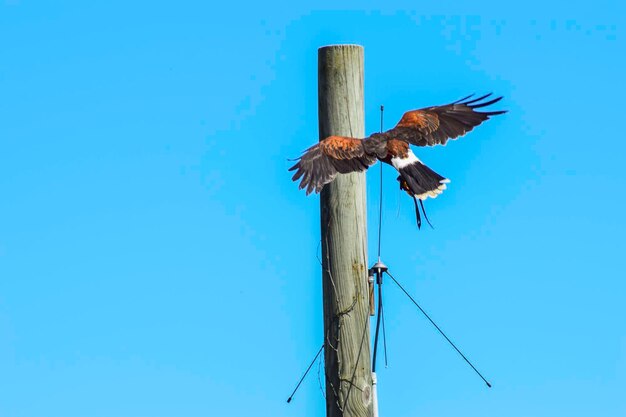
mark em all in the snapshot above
pixel 344 241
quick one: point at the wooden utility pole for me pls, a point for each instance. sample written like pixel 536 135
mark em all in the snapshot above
pixel 344 241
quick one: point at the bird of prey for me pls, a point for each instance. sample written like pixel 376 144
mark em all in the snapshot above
pixel 321 163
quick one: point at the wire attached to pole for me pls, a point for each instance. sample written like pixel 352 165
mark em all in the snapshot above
pixel 440 331
pixel 305 373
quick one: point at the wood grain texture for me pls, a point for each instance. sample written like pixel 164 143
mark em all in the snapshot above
pixel 344 240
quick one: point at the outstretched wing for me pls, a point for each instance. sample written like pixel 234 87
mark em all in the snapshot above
pixel 334 155
pixel 436 125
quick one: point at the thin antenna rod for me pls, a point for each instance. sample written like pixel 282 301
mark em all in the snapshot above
pixel 440 331
pixel 305 373
pixel 380 204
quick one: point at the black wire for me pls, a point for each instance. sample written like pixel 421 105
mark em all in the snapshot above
pixel 440 331
pixel 379 315
pixel 382 312
pixel 305 373
pixel 380 224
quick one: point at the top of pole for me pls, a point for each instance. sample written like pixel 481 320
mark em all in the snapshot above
pixel 341 45
pixel 340 91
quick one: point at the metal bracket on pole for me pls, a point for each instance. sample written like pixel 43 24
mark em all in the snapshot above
pixel 378 268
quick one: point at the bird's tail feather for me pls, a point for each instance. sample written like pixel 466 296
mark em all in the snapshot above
pixel 420 181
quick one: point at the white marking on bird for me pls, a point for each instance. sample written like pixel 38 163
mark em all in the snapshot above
pixel 399 163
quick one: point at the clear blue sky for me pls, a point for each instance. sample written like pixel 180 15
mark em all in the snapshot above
pixel 144 146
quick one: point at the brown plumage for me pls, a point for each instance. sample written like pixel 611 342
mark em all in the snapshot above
pixel 396 149
pixel 334 155
pixel 429 126
pixel 435 125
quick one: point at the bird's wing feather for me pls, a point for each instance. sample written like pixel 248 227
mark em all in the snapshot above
pixel 436 125
pixel 334 155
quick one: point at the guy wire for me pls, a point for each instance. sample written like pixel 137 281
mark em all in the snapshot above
pixel 440 331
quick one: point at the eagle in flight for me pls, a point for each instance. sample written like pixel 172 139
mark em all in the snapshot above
pixel 430 126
